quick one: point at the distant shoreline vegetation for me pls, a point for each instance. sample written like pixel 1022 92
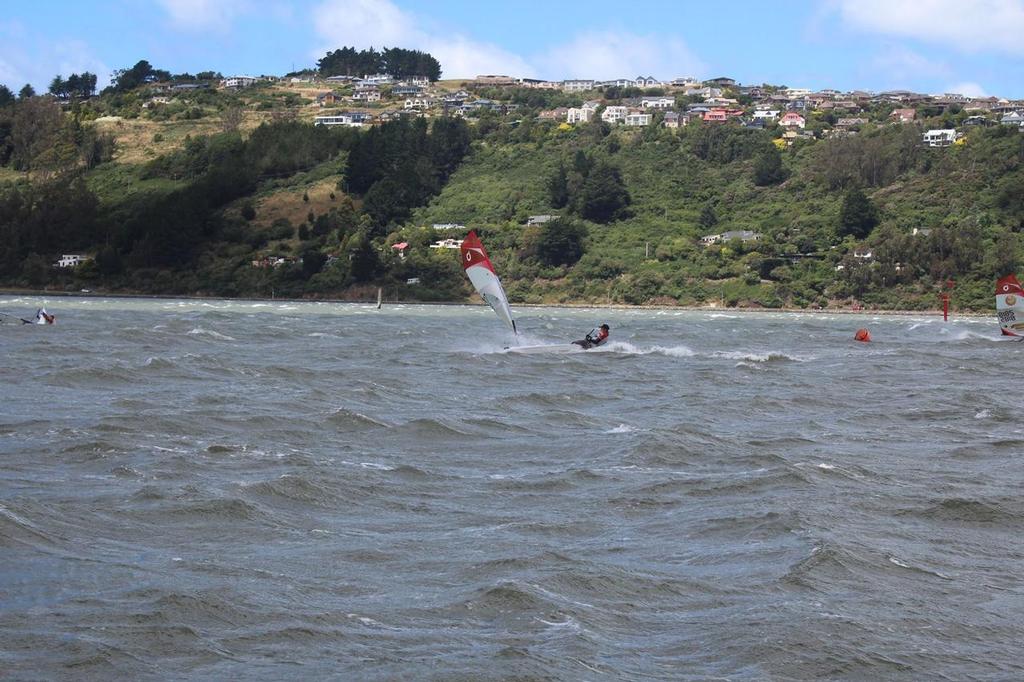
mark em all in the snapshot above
pixel 620 193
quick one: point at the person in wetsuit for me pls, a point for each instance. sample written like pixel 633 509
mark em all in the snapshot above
pixel 594 338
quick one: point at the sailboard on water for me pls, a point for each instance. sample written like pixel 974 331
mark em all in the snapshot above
pixel 481 273
pixel 1010 306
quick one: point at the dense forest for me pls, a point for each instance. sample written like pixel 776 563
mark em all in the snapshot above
pixel 237 193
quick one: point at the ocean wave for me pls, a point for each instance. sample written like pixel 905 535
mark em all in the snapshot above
pixel 199 331
pixel 765 357
pixel 350 420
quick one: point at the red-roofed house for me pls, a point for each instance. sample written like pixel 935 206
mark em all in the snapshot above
pixel 791 119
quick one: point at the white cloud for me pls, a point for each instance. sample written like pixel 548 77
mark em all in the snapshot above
pixel 969 25
pixel 27 58
pixel 379 23
pixel 969 89
pixel 897 63
pixel 608 54
pixel 203 15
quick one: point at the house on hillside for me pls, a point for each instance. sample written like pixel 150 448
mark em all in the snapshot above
pixel 615 114
pixel 238 81
pixel 557 114
pixel 1013 118
pixel 637 117
pixel 539 219
pixel 939 137
pixel 577 85
pixel 646 82
pixel 327 99
pixel 70 260
pixel 674 120
pixel 850 122
pixel 418 104
pixel 715 116
pixel 791 119
pixel 766 114
pixel 720 82
pixel 657 102
pixel 902 115
pixel 742 235
pixel 367 95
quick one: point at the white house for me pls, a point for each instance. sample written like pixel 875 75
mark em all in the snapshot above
pixel 418 104
pixel 766 114
pixel 70 260
pixel 614 114
pixel 447 244
pixel 377 79
pixel 577 85
pixel 637 118
pixel 1013 118
pixel 940 137
pixel 238 81
pixel 742 235
pixel 673 120
pixel 581 115
pixel 338 120
pixel 539 219
pixel 657 102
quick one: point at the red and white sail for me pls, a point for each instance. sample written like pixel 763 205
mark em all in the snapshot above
pixel 1010 306
pixel 481 273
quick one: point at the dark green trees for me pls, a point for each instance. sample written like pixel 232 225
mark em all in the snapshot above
pixel 768 168
pixel 858 216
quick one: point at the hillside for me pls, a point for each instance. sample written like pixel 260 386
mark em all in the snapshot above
pixel 235 192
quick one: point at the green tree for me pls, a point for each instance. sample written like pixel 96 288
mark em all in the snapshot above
pixel 603 197
pixel 708 218
pixel 6 96
pixel 768 168
pixel 560 241
pixel 858 215
pixel 558 188
pixel 27 92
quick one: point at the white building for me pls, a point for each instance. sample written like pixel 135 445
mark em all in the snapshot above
pixel 766 114
pixel 338 120
pixel 447 244
pixel 614 114
pixel 238 81
pixel 658 102
pixel 637 118
pixel 939 137
pixel 577 85
pixel 70 260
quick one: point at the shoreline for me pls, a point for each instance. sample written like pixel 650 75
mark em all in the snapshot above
pixel 602 306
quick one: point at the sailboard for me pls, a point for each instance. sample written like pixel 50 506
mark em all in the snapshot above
pixel 481 273
pixel 1010 306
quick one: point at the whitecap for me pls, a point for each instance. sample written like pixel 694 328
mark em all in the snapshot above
pixel 199 331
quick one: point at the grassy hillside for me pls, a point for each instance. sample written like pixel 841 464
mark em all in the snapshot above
pixel 191 192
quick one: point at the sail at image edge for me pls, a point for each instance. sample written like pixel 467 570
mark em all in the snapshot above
pixel 481 273
pixel 1010 306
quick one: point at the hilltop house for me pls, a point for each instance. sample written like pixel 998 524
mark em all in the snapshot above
pixel 1013 118
pixel 791 119
pixel 766 114
pixel 615 114
pixel 70 260
pixel 742 235
pixel 939 137
pixel 636 117
pixel 902 115
pixel 657 102
pixel 238 81
pixel 577 85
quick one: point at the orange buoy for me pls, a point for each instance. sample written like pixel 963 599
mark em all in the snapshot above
pixel 862 335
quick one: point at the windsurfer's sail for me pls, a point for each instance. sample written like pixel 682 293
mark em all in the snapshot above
pixel 481 273
pixel 1010 306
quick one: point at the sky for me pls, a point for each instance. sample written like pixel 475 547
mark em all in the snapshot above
pixel 972 47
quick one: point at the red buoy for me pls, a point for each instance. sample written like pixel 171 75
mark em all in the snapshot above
pixel 862 335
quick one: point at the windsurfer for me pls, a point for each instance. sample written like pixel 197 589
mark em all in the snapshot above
pixel 595 338
pixel 43 317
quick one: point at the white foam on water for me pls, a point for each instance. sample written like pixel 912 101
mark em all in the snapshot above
pixel 199 331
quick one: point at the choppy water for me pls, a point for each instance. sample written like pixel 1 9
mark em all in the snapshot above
pixel 238 490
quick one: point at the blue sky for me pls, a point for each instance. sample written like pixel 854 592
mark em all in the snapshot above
pixel 932 46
